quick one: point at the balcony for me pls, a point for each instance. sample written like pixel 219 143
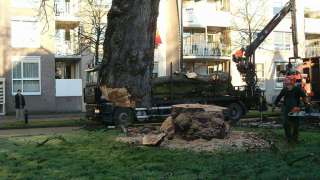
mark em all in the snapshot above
pixel 67 49
pixel 206 50
pixel 203 14
pixel 67 11
pixel 313 51
pixel 68 87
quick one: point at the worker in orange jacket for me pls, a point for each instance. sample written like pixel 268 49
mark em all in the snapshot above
pixel 292 95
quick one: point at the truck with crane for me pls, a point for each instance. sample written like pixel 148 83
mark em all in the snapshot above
pixel 182 88
pixel 244 57
pixel 304 71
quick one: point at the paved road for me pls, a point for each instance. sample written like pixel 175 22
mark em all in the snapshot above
pixel 36 131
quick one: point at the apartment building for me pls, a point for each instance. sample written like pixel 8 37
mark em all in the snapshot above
pixel 41 55
pixel 206 41
pixel 212 32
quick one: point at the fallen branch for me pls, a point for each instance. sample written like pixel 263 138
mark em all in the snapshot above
pixel 61 138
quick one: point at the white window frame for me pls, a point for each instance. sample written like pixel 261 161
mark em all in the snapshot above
pixel 36 44
pixel 33 59
pixel 284 45
pixel 275 72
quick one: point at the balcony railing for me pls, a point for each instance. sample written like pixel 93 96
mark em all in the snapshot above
pixel 66 10
pixel 67 48
pixel 312 51
pixel 205 50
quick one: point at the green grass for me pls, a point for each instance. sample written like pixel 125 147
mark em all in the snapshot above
pixel 42 123
pixel 254 114
pixel 95 155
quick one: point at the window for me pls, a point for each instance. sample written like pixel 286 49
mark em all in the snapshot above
pixel 281 68
pixel 67 35
pixel 218 5
pixel 211 70
pixel 67 70
pixel 260 75
pixel 25 3
pixel 26 75
pixel 215 38
pixel 217 67
pixel 155 69
pixel 19 29
pixel 92 77
pixel 282 40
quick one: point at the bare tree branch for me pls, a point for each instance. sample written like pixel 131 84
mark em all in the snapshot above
pixel 251 13
pixel 92 19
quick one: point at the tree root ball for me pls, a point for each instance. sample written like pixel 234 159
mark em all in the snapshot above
pixel 196 121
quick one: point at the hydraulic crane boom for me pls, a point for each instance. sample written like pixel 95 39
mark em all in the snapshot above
pixel 268 29
pixel 243 56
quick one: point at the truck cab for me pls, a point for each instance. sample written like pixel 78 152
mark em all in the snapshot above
pixel 97 107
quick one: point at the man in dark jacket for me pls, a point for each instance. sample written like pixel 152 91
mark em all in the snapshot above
pixel 19 104
pixel 292 95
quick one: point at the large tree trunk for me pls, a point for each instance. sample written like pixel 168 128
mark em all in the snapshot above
pixel 128 52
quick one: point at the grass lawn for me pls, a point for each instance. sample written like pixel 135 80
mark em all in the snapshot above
pixel 95 155
pixel 256 114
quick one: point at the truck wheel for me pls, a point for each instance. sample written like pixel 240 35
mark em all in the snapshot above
pixel 235 111
pixel 123 116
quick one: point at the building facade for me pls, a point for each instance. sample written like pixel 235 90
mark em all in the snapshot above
pixel 40 53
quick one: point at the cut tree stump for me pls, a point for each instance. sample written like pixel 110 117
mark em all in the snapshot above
pixel 197 121
pixel 168 128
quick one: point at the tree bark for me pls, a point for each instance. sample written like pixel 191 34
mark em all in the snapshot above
pixel 127 66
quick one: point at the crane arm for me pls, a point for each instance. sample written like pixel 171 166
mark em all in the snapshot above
pixel 242 57
pixel 250 49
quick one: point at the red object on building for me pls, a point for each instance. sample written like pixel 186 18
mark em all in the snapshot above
pixel 158 39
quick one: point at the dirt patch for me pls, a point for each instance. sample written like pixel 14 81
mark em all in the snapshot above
pixel 237 141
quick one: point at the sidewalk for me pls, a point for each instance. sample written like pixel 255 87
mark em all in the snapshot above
pixel 44 117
